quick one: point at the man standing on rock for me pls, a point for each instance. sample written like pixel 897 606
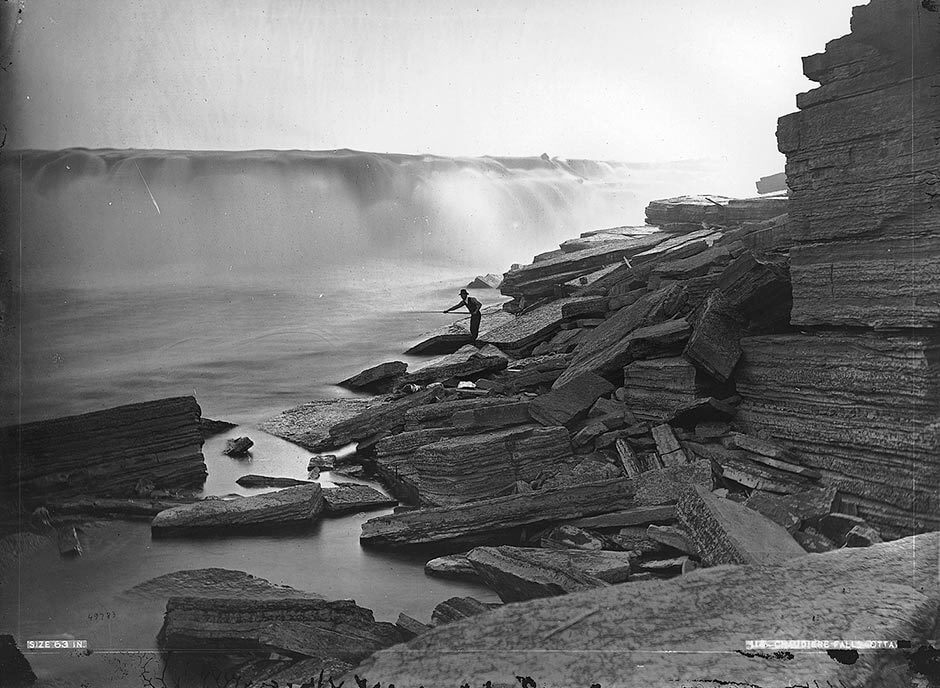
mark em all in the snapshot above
pixel 474 306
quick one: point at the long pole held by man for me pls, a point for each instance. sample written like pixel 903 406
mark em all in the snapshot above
pixel 473 305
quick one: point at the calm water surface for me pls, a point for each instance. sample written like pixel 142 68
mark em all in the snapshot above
pixel 248 350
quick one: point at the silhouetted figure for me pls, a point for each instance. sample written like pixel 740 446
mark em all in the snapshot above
pixel 474 306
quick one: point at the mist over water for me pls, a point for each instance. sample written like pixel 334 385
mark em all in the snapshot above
pixel 92 218
pixel 259 279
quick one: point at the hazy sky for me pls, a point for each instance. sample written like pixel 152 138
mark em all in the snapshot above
pixel 610 79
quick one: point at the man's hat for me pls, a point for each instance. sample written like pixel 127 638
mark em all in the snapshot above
pixel 464 291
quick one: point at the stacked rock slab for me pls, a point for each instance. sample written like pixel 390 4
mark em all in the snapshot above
pixel 107 452
pixel 862 165
pixel 861 404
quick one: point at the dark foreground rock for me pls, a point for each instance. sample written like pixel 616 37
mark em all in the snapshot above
pixel 238 447
pixel 520 573
pixel 295 506
pixel 604 636
pixel 293 626
pixel 105 453
pixel 14 668
pixel 303 672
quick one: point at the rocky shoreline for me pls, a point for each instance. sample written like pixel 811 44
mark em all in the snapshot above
pixel 671 440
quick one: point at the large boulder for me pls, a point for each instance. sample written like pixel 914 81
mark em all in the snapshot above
pixel 697 625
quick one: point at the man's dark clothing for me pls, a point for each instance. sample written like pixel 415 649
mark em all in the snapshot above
pixel 474 307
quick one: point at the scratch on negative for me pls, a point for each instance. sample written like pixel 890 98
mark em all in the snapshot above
pixel 568 624
pixel 147 187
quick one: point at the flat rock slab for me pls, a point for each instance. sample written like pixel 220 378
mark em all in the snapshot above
pixel 214 582
pixel 519 573
pixel 105 507
pixel 492 515
pixel 380 418
pixel 348 498
pixel 449 338
pixel 252 480
pixel 295 626
pixel 696 624
pixel 294 506
pixel 466 363
pixel 725 532
pixel 308 425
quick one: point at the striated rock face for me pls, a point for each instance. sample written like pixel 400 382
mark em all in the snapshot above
pixel 860 409
pixel 604 636
pixel 862 166
pixel 294 626
pixel 293 506
pixel 462 469
pixel 105 452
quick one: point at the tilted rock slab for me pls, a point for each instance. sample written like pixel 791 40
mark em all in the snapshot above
pixel 293 506
pixel 569 402
pixel 692 630
pixel 105 453
pixel 862 410
pixel 725 532
pixel 524 573
pixel 529 328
